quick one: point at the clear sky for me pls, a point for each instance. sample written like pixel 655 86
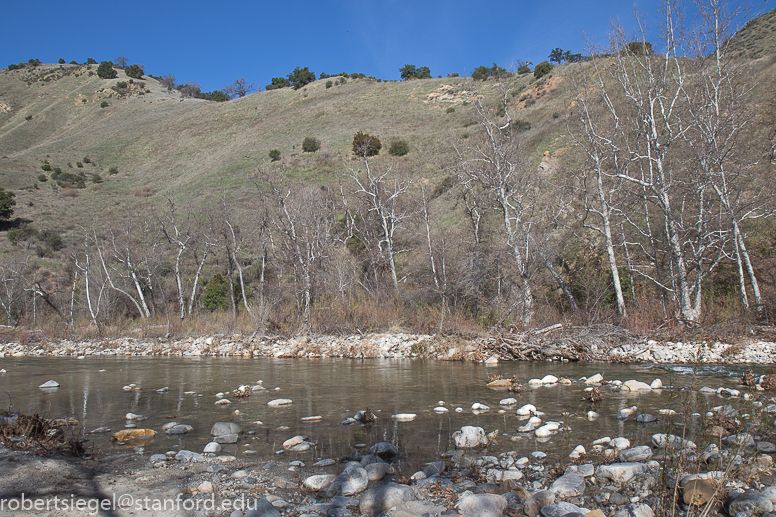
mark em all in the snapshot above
pixel 214 43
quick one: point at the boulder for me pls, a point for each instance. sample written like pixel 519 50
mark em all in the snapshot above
pixel 470 437
pixel 537 501
pixel 641 453
pixel 226 438
pixel 220 428
pixel 698 492
pixel 568 485
pixel 384 497
pixel 279 402
pixel 595 379
pixel 261 508
pixel 212 447
pixel 635 510
pixel 562 509
pixel 318 481
pixel 619 473
pixel 482 505
pixel 633 385
pixel 353 480
pixel 752 502
pixel 185 456
pixel 377 471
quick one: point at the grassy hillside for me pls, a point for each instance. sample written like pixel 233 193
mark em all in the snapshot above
pixel 80 151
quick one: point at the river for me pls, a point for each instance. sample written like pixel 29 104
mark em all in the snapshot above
pixel 91 391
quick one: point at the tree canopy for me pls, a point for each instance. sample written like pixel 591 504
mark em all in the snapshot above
pixel 106 71
pixel 7 202
pixel 300 77
pixel 413 72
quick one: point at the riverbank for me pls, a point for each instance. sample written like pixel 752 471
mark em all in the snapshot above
pixel 555 344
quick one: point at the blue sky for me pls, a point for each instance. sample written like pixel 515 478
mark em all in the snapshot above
pixel 215 43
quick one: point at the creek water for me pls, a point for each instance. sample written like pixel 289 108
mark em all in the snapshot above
pixel 91 391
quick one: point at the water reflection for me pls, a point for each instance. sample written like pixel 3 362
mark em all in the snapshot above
pixel 91 391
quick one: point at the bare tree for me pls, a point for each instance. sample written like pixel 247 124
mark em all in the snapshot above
pixel 304 219
pixel 239 88
pixel 168 80
pixel 120 62
pixel 382 195
pixel 495 168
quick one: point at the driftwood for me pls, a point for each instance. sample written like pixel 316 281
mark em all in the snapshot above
pixel 554 343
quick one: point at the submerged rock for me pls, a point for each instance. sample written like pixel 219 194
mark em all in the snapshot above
pixel 470 437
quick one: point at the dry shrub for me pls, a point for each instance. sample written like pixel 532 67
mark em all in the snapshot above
pixel 146 191
pixel 69 192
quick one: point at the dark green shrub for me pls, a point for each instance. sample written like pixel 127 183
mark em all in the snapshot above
pixel 450 109
pixel 16 67
pixel 70 180
pixel 46 166
pixel 542 69
pixel 106 71
pixel 134 71
pixel 216 294
pixel 73 62
pixel 34 62
pixel 301 77
pixel 49 241
pixel 87 160
pixel 7 202
pixel 530 101
pixel 90 61
pixel 366 145
pixel 21 234
pixel 413 72
pixel 42 178
pixel 96 178
pixel 399 148
pixel 113 170
pixel 28 118
pixel 120 85
pixel 329 84
pixel 79 165
pixel 310 144
pixel 521 125
pixel 556 114
pixel 454 74
pixel 523 69
pixel 61 61
pixel 104 104
pixel 274 155
pixel 278 82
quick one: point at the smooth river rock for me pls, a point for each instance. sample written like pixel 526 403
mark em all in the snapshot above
pixel 470 437
pixel 641 453
pixel 482 505
pixel 221 428
pixel 568 485
pixel 620 473
pixel 384 497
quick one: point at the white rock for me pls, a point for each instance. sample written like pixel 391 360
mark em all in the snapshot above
pixel 526 410
pixel 547 430
pixel 595 379
pixel 206 487
pixel 404 417
pixel 508 402
pixel 212 447
pixel 296 440
pixel 223 402
pixel 549 379
pixel 469 437
pixel 535 382
pixel 279 402
pixel 656 384
pixel 440 409
pixel 592 415
pixel 602 441
pixel 49 384
pixel 578 452
pixel 633 385
pixel 620 443
pixel 318 482
pixel 480 407
pixel 492 360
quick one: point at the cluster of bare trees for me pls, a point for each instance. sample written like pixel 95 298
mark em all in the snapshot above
pixel 670 178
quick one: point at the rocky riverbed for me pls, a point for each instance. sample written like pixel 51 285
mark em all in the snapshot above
pixel 402 345
pixel 725 470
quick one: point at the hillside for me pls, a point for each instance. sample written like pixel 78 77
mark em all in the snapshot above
pixel 160 141
pixel 515 240
pixel 757 38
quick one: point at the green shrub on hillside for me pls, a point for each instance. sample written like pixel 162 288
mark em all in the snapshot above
pixel 399 148
pixel 91 61
pixel 300 77
pixel 113 170
pixel 310 144
pixel 450 109
pixel 87 159
pixel 17 67
pixel 7 202
pixel 134 71
pixel 104 104
pixel 42 178
pixel 96 178
pixel 46 166
pixel 277 83
pixel 28 118
pixel 106 71
pixel 274 155
pixel 216 294
pixel 366 145
pixel 329 84
pixel 79 165
pixel 542 69
pixel 61 61
pixel 523 69
pixel 521 125
pixel 34 62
